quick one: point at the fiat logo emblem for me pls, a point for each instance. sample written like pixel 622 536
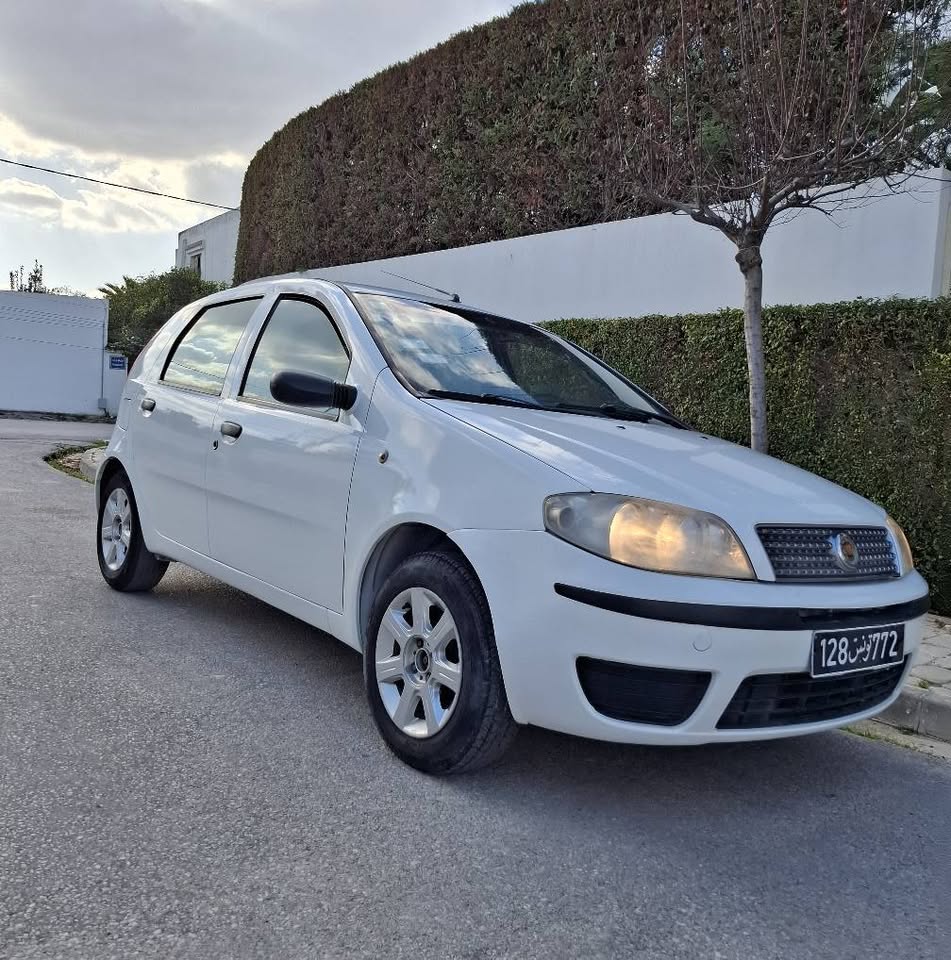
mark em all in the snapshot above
pixel 845 550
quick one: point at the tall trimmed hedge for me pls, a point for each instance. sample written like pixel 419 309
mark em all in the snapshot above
pixel 858 392
pixel 505 130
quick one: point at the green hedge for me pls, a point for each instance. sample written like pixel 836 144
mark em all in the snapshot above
pixel 505 130
pixel 858 392
pixel 140 305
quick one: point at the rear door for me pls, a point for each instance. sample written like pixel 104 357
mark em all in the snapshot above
pixel 174 423
pixel 279 481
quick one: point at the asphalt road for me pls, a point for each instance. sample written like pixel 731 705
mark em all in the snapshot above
pixel 193 774
pixel 53 430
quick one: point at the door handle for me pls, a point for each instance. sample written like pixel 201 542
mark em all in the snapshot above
pixel 231 429
pixel 147 403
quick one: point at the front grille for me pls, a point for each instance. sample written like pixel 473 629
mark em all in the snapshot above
pixel 784 699
pixel 808 553
pixel 623 691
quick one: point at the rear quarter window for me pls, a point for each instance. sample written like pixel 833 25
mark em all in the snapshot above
pixel 203 353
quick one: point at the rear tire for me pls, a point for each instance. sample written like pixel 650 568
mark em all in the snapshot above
pixel 124 561
pixel 431 668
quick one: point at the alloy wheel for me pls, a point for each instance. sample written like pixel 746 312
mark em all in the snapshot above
pixel 418 662
pixel 116 532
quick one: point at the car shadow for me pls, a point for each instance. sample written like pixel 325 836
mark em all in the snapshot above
pixel 788 772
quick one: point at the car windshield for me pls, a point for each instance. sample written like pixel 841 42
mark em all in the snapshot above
pixel 447 352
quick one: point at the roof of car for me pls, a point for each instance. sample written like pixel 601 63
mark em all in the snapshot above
pixel 432 297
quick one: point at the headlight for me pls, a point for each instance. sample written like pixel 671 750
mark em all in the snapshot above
pixel 648 534
pixel 901 546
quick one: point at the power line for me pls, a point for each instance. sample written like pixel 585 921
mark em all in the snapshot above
pixel 108 183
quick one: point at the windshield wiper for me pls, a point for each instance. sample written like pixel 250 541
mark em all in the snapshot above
pixel 499 398
pixel 608 410
pixel 633 414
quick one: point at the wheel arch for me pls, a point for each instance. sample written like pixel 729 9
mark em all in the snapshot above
pixel 107 471
pixel 398 544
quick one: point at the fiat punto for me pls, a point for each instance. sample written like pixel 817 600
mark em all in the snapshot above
pixel 509 531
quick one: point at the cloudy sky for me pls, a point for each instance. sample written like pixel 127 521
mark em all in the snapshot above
pixel 171 95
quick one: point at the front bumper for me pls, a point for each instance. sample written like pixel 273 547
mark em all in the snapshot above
pixel 745 630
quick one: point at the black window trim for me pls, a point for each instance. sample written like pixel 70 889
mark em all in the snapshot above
pixel 274 404
pixel 184 332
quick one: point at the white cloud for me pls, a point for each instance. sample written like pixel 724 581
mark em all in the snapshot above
pixel 221 173
pixel 93 211
pixel 25 199
pixel 80 205
pixel 186 79
pixel 89 210
pixel 172 96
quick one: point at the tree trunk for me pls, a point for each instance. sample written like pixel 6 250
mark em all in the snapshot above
pixel 751 263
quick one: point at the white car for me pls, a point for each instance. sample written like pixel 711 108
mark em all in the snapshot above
pixel 510 531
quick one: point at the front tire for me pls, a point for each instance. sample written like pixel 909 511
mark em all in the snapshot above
pixel 124 560
pixel 431 668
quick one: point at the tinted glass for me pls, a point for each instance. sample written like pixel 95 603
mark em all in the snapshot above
pixel 438 348
pixel 201 359
pixel 299 336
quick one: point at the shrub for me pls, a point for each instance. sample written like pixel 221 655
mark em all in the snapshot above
pixel 139 306
pixel 858 392
pixel 504 130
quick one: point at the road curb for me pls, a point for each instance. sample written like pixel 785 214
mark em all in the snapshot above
pixel 921 711
pixel 89 463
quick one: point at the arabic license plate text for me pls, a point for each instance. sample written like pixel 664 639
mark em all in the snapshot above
pixel 863 648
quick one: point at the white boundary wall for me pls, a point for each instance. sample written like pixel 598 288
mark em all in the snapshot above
pixel 669 264
pixel 895 245
pixel 53 357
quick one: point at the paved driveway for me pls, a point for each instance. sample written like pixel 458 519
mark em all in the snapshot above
pixel 192 774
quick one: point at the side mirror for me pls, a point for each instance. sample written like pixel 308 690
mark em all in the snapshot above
pixel 307 390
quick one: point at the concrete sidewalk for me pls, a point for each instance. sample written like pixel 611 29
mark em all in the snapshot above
pixel 89 463
pixel 924 706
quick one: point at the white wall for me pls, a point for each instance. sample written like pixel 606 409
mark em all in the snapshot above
pixel 216 240
pixel 670 264
pixel 895 245
pixel 51 352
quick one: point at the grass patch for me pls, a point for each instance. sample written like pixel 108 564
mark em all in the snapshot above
pixel 66 459
pixel 865 732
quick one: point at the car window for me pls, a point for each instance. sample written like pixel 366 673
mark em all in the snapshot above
pixel 440 349
pixel 201 358
pixel 540 372
pixel 299 336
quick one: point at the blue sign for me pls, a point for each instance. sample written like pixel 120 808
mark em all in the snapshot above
pixel 117 363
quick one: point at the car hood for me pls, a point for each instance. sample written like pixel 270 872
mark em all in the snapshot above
pixel 660 462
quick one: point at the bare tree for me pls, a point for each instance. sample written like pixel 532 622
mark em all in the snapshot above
pixel 746 111
pixel 33 282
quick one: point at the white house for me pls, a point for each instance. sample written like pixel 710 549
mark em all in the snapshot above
pixel 53 356
pixel 894 245
pixel 209 247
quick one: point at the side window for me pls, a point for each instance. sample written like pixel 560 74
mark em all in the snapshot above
pixel 300 336
pixel 200 359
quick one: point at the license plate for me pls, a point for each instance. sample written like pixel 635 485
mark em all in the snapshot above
pixel 864 648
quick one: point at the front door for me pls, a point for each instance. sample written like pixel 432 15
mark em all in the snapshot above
pixel 279 480
pixel 177 413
